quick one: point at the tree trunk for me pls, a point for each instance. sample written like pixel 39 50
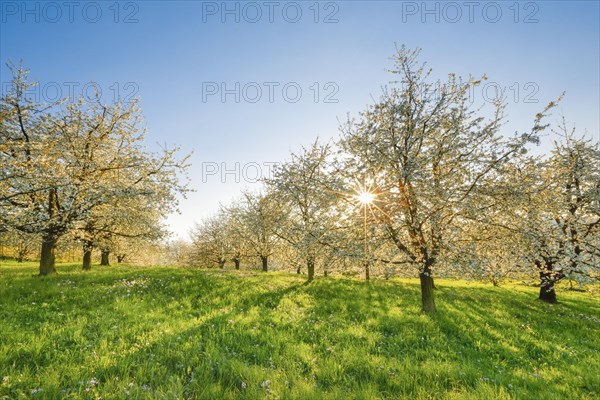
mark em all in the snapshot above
pixel 87 258
pixel 22 253
pixel 547 292
pixel 367 271
pixel 104 257
pixel 310 266
pixel 299 270
pixel 237 263
pixel 265 263
pixel 221 264
pixel 120 258
pixel 47 256
pixel 548 277
pixel 427 300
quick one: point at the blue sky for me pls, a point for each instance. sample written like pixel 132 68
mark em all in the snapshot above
pixel 170 54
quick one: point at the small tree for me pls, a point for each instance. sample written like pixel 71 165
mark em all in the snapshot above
pixel 557 214
pixel 128 219
pixel 210 242
pixel 253 222
pixel 305 188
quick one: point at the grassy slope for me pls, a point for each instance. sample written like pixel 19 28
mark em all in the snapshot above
pixel 172 333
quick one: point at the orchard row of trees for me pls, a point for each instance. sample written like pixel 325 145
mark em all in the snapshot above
pixel 80 171
pixel 452 195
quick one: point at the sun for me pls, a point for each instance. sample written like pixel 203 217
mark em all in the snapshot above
pixel 366 197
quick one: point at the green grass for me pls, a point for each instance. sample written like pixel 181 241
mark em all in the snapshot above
pixel 168 333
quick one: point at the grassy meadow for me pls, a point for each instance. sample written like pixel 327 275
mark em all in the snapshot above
pixel 172 333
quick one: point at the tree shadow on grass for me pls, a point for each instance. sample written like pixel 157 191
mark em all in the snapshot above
pixel 334 337
pixel 527 346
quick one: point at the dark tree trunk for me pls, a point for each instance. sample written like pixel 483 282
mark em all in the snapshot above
pixel 87 258
pixel 547 292
pixel 310 266
pixel 427 299
pixel 104 257
pixel 88 246
pixel 120 258
pixel 237 263
pixel 367 271
pixel 221 264
pixel 548 277
pixel 265 263
pixel 325 274
pixel 22 253
pixel 299 270
pixel 47 256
